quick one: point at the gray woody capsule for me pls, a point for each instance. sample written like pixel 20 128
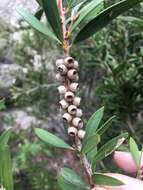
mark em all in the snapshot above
pixel 72 109
pixel 62 69
pixel 74 86
pixel 69 96
pixel 81 134
pixel 76 65
pixel 77 122
pixel 79 113
pixel 62 89
pixel 67 117
pixel 59 62
pixel 60 78
pixel 72 74
pixel 63 104
pixel 72 131
pixel 77 101
pixel 69 62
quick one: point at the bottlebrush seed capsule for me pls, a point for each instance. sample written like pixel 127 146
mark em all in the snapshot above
pixel 81 134
pixel 59 62
pixel 62 89
pixel 77 122
pixel 60 78
pixel 76 101
pixel 79 113
pixel 72 131
pixel 69 96
pixel 72 74
pixel 76 65
pixel 62 69
pixel 67 117
pixel 76 79
pixel 74 87
pixel 69 62
pixel 63 104
pixel 72 109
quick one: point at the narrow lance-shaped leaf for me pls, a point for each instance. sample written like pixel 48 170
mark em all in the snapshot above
pixel 102 179
pixel 72 178
pixel 94 6
pixel 36 24
pixel 64 185
pixel 5 137
pixel 110 147
pixel 104 18
pixel 93 123
pixel 134 151
pixel 52 14
pixel 51 139
pixel 39 14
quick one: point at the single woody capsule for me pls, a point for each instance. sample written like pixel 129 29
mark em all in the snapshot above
pixel 72 74
pixel 76 65
pixel 81 134
pixel 69 96
pixel 72 131
pixel 77 101
pixel 69 62
pixel 79 113
pixel 72 109
pixel 63 104
pixel 60 78
pixel 59 62
pixel 67 117
pixel 76 79
pixel 62 69
pixel 77 122
pixel 74 86
pixel 62 89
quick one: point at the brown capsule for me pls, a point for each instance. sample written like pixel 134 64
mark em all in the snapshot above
pixel 60 78
pixel 69 96
pixel 69 62
pixel 79 113
pixel 81 134
pixel 74 86
pixel 59 62
pixel 62 89
pixel 76 65
pixel 77 101
pixel 77 122
pixel 72 131
pixel 63 104
pixel 62 69
pixel 67 117
pixel 72 74
pixel 72 109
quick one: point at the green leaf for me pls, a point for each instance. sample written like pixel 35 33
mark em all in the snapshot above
pixel 134 151
pixel 64 185
pixel 39 14
pixel 72 178
pixel 90 143
pixel 5 137
pixel 110 147
pixel 36 24
pixel 52 14
pixel 134 20
pixel 104 18
pixel 51 139
pixel 85 13
pixel 102 179
pixel 6 178
pixel 105 126
pixel 94 122
pixel 2 105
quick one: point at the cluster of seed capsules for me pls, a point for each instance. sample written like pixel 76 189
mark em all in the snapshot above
pixel 67 69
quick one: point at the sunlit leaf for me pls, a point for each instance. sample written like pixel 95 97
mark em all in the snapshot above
pixel 5 137
pixel 51 139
